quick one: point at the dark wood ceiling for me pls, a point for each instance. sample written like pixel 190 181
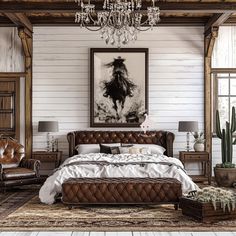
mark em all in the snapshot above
pixel 173 12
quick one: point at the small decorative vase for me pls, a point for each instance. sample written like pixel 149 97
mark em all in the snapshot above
pixel 198 147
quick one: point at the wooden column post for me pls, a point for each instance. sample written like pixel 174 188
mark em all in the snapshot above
pixel 209 42
pixel 27 41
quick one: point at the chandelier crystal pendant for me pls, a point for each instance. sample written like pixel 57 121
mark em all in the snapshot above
pixel 120 20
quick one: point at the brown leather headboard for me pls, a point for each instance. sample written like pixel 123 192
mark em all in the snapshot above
pixel 163 138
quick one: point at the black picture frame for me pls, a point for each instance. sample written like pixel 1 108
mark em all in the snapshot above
pixel 103 112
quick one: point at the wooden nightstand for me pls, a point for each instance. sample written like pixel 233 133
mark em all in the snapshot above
pixel 198 157
pixel 46 158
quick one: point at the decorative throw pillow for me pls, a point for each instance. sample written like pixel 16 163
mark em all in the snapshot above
pixel 108 148
pixel 105 149
pixel 153 148
pixel 115 150
pixel 133 149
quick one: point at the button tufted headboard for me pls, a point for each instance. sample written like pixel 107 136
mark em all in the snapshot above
pixel 162 138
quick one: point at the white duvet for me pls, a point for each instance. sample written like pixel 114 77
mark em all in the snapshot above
pixel 121 165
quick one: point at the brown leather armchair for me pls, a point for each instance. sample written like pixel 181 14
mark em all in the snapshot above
pixel 15 169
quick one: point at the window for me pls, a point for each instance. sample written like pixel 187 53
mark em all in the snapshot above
pixel 224 85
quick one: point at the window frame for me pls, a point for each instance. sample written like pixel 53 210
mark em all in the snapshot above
pixel 214 72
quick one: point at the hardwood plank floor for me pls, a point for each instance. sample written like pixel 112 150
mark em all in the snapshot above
pixel 117 233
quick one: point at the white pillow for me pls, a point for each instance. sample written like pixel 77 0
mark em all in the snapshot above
pixel 152 148
pixel 92 148
pixel 134 150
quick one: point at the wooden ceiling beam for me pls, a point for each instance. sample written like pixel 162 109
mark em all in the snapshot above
pixel 216 20
pixel 66 7
pixel 165 21
pixel 20 20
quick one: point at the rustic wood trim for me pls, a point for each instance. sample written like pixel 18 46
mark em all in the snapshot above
pixel 27 44
pixel 67 7
pixel 12 74
pixel 209 42
pixel 216 20
pixel 20 20
pixel 223 70
pixel 25 40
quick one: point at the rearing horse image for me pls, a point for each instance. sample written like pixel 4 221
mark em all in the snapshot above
pixel 119 87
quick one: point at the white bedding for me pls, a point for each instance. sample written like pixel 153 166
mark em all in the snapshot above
pixel 154 166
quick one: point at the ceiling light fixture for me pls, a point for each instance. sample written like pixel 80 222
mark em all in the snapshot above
pixel 119 21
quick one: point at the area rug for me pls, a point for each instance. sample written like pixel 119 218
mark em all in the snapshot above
pixel 11 200
pixel 34 216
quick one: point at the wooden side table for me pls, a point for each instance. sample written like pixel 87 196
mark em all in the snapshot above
pixel 198 157
pixel 48 157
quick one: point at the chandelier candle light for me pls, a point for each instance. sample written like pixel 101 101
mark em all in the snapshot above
pixel 120 20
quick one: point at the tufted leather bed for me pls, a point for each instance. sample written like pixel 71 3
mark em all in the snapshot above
pixel 162 138
pixel 79 191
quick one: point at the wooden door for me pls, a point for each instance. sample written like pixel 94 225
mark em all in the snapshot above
pixel 10 107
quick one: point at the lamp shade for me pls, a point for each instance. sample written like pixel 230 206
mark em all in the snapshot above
pixel 48 126
pixel 188 126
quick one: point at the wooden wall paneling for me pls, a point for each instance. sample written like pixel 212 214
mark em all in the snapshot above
pixel 27 43
pixel 209 41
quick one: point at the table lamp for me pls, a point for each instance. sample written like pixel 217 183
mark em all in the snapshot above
pixel 48 127
pixel 188 126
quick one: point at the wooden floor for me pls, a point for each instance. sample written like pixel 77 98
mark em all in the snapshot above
pixel 117 234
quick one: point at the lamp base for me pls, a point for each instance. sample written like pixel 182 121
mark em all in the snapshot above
pixel 188 138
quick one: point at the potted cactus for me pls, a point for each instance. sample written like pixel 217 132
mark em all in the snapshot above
pixel 225 173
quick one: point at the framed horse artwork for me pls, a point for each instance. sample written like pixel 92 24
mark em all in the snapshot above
pixel 118 87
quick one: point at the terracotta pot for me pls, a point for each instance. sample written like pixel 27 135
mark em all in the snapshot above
pixel 198 147
pixel 225 177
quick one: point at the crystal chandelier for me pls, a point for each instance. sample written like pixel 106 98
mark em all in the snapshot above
pixel 120 20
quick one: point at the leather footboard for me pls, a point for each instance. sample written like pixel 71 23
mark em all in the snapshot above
pixel 77 191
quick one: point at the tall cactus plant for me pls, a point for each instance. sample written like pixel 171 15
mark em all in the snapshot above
pixel 227 139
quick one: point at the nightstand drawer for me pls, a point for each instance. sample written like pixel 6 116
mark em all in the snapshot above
pixel 45 157
pixel 196 156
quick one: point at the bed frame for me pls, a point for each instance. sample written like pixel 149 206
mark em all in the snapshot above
pixel 162 138
pixel 121 190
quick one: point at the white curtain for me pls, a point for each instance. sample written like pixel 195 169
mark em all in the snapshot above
pixel 224 53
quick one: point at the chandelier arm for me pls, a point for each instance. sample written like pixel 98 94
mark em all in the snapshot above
pixel 90 29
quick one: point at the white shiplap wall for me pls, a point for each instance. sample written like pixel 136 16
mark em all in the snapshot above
pixel 61 78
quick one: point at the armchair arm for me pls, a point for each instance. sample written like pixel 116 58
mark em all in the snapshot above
pixel 31 164
pixel 1 172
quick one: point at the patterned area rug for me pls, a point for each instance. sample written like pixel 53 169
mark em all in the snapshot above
pixel 13 199
pixel 39 217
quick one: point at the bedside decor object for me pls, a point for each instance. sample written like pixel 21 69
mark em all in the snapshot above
pixel 210 204
pixel 118 87
pixel 119 21
pixel 225 173
pixel 198 157
pixel 145 126
pixel 188 126
pixel 198 141
pixel 48 127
